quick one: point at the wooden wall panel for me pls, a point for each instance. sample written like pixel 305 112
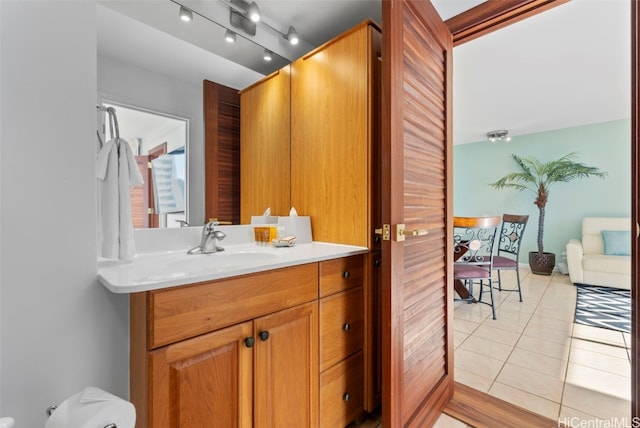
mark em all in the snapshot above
pixel 222 152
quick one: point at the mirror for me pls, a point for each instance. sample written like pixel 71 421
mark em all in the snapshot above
pixel 159 144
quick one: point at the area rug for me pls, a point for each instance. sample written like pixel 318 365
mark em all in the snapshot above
pixel 604 307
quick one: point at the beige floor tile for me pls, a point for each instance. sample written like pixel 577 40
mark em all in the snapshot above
pixel 544 347
pixel 595 403
pixel 614 351
pixel 554 367
pixel 550 322
pixel 446 421
pixel 486 331
pixel 596 334
pixel 603 362
pixel 481 365
pixel 508 323
pixel 525 400
pixel 575 418
pixel 490 348
pixel 472 379
pixel 459 338
pixel 598 380
pixel 531 381
pixel 465 326
pixel 557 335
pixel 565 315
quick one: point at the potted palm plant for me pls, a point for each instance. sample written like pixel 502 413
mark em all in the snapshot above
pixel 538 176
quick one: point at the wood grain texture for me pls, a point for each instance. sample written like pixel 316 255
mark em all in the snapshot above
pixel 286 369
pixel 341 274
pixel 481 410
pixel 183 392
pixel 331 138
pixel 222 152
pixel 336 341
pixel 182 312
pixel 266 146
pixel 417 372
pixel 373 331
pixel 343 378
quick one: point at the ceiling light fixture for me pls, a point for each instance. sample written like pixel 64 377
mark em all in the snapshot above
pixel 292 36
pixel 185 14
pixel 499 135
pixel 268 55
pixel 254 12
pixel 230 36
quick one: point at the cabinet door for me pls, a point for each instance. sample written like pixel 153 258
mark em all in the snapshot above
pixel 330 138
pixel 265 177
pixel 203 382
pixel 286 368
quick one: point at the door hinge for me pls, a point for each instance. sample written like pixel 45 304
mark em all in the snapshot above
pixel 151 211
pixel 149 165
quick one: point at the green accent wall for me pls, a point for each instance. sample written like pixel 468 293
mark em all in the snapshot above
pixel 604 145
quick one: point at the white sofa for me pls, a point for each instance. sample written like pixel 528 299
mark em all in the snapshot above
pixel 586 258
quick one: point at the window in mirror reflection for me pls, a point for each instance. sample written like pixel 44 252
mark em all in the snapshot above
pixel 159 144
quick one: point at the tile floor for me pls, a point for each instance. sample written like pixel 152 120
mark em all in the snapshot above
pixel 536 357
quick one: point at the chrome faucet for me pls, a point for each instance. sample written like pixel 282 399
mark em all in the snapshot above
pixel 209 238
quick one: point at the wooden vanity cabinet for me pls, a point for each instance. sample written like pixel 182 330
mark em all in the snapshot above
pixel 265 146
pixel 238 352
pixel 342 326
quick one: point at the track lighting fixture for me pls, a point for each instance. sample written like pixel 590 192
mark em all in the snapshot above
pixel 185 14
pixel 230 36
pixel 268 55
pixel 254 12
pixel 292 36
pixel 499 135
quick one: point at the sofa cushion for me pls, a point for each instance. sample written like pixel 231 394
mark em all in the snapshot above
pixel 610 264
pixel 617 242
pixel 592 242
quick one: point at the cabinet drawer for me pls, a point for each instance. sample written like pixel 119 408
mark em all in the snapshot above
pixel 341 326
pixel 341 392
pixel 341 274
pixel 182 312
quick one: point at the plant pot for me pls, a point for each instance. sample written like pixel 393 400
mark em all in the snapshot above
pixel 542 263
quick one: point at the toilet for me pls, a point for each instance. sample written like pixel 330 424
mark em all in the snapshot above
pixel 91 408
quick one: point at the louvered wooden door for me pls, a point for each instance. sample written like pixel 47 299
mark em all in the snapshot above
pixel 416 152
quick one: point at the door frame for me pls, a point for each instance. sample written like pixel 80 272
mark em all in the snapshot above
pixel 490 16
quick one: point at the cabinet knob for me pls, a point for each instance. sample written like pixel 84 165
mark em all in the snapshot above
pixel 264 335
pixel 346 396
pixel 249 342
pixel 377 239
pixel 346 274
pixel 346 326
pixel 377 263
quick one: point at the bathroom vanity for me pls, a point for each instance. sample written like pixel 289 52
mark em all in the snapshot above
pixel 277 341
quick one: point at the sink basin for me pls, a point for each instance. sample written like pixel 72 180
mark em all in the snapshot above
pixel 222 259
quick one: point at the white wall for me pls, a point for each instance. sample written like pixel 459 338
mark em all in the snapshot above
pixel 130 85
pixel 60 330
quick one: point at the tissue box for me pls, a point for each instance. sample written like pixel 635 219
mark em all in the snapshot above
pixel 264 219
pixel 298 226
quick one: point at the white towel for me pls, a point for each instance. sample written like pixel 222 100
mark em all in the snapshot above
pixel 117 174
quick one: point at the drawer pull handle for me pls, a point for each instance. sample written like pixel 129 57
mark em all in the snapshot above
pixel 346 275
pixel 249 342
pixel 264 335
pixel 346 396
pixel 346 326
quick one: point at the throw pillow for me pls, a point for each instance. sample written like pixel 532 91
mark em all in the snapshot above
pixel 617 242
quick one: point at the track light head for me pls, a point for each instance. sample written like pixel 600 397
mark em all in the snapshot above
pixel 499 135
pixel 292 36
pixel 185 14
pixel 230 36
pixel 254 12
pixel 268 55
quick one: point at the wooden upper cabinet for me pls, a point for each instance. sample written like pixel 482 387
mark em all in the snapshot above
pixel 332 136
pixel 265 179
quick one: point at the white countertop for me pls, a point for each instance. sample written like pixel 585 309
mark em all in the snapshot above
pixel 153 271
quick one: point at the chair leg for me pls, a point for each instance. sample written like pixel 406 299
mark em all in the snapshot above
pixel 493 305
pixel 518 278
pixel 499 281
pixel 481 290
pixel 470 288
